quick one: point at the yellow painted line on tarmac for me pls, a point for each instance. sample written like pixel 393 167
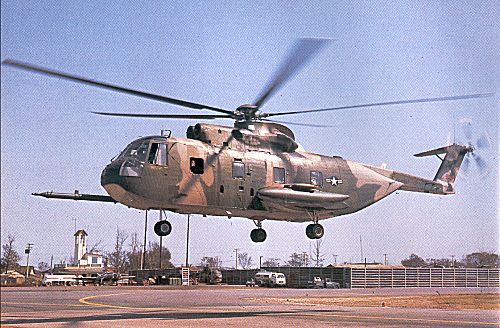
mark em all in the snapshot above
pixel 42 304
pixel 83 300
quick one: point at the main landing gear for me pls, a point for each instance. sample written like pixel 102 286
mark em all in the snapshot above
pixel 315 230
pixel 258 235
pixel 163 227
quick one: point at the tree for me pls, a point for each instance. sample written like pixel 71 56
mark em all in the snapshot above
pixel 481 259
pixel 153 256
pixel 318 258
pixel 134 254
pixel 244 260
pixel 10 257
pixel 117 259
pixel 43 266
pixel 414 261
pixel 446 263
pixel 270 263
pixel 211 262
pixel 298 260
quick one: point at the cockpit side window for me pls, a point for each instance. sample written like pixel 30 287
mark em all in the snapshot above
pixel 158 154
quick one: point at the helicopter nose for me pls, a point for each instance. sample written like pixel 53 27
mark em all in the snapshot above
pixel 111 174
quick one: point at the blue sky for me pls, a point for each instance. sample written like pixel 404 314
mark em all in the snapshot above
pixel 222 55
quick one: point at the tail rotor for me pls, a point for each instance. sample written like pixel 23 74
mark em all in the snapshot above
pixel 476 145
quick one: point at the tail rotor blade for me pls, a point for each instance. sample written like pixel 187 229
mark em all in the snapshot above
pixel 481 164
pixel 465 164
pixel 483 141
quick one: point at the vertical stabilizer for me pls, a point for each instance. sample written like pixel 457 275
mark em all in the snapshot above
pixel 448 170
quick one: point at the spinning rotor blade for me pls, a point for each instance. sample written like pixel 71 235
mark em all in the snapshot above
pixel 299 55
pixel 467 128
pixel 299 124
pixel 465 164
pixel 481 164
pixel 483 141
pixel 186 116
pixel 74 78
pixel 424 100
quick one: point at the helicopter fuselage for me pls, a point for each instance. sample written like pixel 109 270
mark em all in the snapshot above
pixel 237 172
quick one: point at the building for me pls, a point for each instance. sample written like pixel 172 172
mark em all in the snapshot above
pixel 84 263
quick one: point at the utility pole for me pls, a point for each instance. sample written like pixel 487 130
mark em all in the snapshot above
pixel 260 262
pixel 28 251
pixel 51 262
pixel 187 242
pixel 335 258
pixel 236 250
pixel 385 259
pixel 161 238
pixel 452 261
pixel 143 257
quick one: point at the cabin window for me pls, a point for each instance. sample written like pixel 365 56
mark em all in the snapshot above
pixel 158 154
pixel 238 169
pixel 196 165
pixel 221 189
pixel 279 175
pixel 317 178
pixel 94 259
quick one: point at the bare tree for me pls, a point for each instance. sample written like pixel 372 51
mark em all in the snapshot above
pixel 10 257
pixel 134 253
pixel 270 263
pixel 244 260
pixel 212 262
pixel 96 247
pixel 117 259
pixel 43 266
pixel 318 258
pixel 297 260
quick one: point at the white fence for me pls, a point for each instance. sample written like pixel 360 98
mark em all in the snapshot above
pixel 424 277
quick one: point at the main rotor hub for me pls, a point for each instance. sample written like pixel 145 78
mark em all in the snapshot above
pixel 246 112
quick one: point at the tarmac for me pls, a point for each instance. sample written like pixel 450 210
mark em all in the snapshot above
pixel 225 306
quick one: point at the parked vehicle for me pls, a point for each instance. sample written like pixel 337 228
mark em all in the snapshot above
pixel 59 279
pixel 270 279
pixel 328 283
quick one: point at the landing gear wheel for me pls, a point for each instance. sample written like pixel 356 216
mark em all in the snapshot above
pixel 163 228
pixel 315 231
pixel 258 235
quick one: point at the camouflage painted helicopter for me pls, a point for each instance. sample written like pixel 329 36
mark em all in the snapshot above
pixel 254 169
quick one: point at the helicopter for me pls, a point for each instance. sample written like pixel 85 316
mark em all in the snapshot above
pixel 254 169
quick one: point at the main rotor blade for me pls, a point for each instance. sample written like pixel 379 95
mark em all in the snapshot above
pixel 299 124
pixel 74 78
pixel 299 55
pixel 399 102
pixel 186 116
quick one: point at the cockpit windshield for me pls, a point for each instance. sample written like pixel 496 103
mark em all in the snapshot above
pixel 151 150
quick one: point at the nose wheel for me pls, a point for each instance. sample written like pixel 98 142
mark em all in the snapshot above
pixel 163 228
pixel 315 231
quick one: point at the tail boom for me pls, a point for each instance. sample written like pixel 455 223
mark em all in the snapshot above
pixel 444 181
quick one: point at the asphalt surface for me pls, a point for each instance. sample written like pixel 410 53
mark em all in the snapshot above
pixel 202 306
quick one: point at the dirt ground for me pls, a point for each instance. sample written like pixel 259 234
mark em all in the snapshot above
pixel 438 301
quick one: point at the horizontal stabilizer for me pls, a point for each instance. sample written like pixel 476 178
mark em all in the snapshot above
pixel 436 151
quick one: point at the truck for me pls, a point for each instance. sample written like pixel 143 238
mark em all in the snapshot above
pixel 270 279
pixel 59 279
